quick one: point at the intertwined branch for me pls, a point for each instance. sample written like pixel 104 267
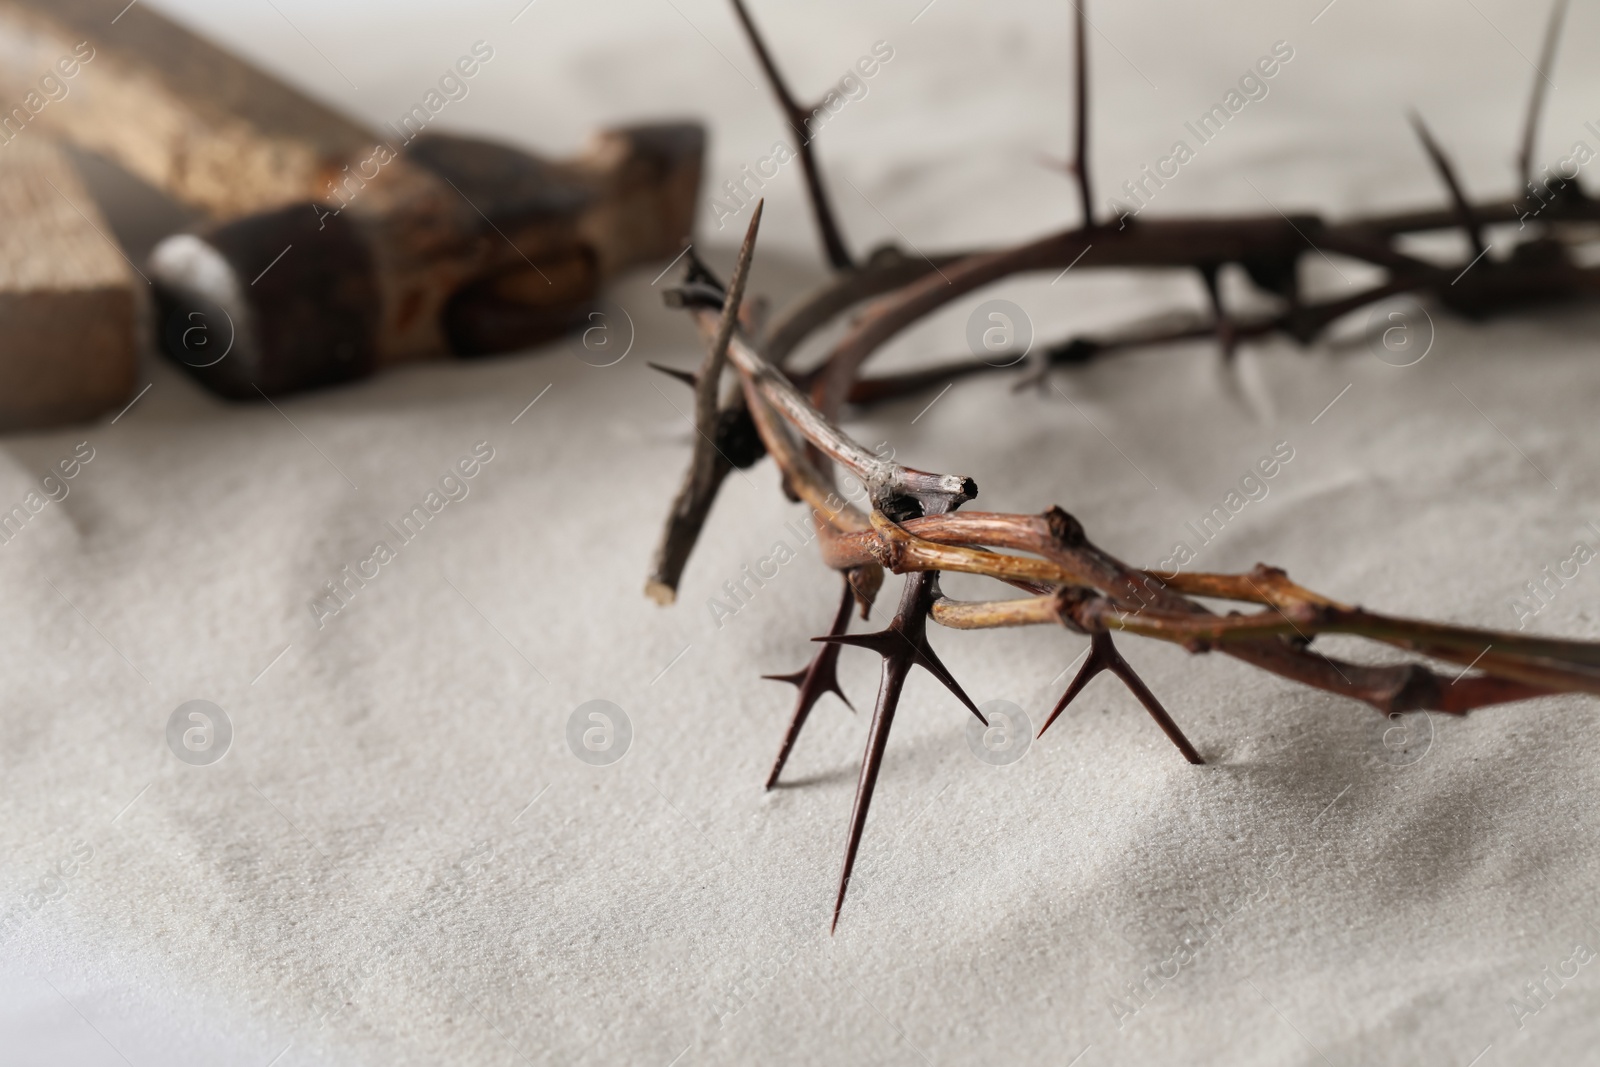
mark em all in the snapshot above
pixel 913 526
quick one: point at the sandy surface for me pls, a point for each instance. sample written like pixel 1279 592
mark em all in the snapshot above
pixel 399 860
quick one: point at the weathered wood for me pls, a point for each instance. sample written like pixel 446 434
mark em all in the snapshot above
pixel 186 116
pixel 67 304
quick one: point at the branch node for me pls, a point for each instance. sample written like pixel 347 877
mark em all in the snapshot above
pixel 1065 530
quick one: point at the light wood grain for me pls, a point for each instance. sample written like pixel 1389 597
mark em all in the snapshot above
pixel 67 303
pixel 186 116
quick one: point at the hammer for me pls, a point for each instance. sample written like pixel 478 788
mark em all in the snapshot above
pixel 329 250
pixel 452 246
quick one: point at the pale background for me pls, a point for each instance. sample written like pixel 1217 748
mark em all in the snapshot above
pixel 664 909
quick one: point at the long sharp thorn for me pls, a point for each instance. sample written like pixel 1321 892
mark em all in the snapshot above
pixel 934 666
pixel 1103 656
pixel 818 677
pixel 884 642
pixel 1121 668
pixel 896 641
pixel 1541 77
pixel 1080 164
pixel 898 656
pixel 1091 667
pixel 687 377
pixel 1447 172
pixel 894 678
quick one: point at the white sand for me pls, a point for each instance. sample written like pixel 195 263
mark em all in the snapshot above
pixel 361 879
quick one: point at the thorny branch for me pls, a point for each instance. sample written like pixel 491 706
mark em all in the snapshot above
pixel 913 526
pixel 798 118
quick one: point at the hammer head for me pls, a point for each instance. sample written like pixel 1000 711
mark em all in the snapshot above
pixel 247 316
pixel 459 247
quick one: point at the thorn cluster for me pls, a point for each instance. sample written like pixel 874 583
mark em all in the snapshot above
pixel 913 526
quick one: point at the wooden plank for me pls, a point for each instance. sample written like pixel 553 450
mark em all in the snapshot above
pixel 189 118
pixel 67 304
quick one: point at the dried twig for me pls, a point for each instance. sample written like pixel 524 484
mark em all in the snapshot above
pixel 798 119
pixel 711 462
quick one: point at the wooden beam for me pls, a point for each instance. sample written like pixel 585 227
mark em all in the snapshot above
pixel 68 306
pixel 204 126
